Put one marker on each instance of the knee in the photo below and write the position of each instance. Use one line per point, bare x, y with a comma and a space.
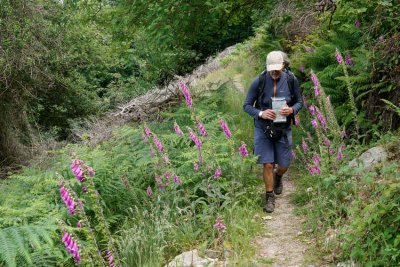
268, 166
281, 170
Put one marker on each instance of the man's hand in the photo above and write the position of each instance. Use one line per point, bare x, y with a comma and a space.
286, 111
268, 114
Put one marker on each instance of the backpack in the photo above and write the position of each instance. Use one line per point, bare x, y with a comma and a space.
291, 85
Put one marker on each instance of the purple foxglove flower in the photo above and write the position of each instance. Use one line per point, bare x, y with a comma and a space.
326, 142
317, 170
304, 146
76, 169
195, 167
310, 170
322, 120
339, 57
178, 130
301, 68
201, 128
91, 171
186, 94
177, 180
314, 123
225, 127
339, 155
293, 155
78, 224
381, 38
357, 23
149, 192
243, 150
167, 174
67, 199
147, 131
312, 110
348, 60
316, 160
331, 151
71, 246
304, 101
315, 81
194, 138
219, 224
217, 173
110, 258
84, 189
158, 143
296, 120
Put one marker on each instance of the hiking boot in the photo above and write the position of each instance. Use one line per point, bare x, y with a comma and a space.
270, 203
278, 185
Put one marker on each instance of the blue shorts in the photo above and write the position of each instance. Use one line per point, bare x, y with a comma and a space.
277, 152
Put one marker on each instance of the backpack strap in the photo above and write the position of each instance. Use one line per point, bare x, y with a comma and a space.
261, 85
291, 85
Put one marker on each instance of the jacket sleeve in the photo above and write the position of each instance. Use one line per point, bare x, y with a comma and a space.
252, 95
298, 103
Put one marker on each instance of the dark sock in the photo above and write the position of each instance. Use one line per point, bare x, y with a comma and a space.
269, 192
278, 176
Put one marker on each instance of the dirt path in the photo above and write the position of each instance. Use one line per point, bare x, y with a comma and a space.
281, 245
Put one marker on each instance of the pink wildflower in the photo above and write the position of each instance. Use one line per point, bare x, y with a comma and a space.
339, 57
195, 167
381, 38
322, 120
304, 146
67, 199
312, 110
314, 123
186, 94
78, 224
243, 150
219, 224
217, 173
71, 246
225, 128
316, 160
147, 131
296, 120
194, 138
178, 129
177, 180
315, 81
158, 143
76, 169
201, 128
293, 155
357, 23
317, 170
348, 60
110, 259
326, 142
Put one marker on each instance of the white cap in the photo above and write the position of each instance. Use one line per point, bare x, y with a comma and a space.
274, 61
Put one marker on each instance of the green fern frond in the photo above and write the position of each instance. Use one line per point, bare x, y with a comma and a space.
15, 241
8, 252
392, 106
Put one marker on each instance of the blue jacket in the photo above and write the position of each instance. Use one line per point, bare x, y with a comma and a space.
282, 90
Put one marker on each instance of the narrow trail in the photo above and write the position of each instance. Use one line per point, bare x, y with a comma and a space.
281, 245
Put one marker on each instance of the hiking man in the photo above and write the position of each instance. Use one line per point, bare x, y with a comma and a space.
273, 140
